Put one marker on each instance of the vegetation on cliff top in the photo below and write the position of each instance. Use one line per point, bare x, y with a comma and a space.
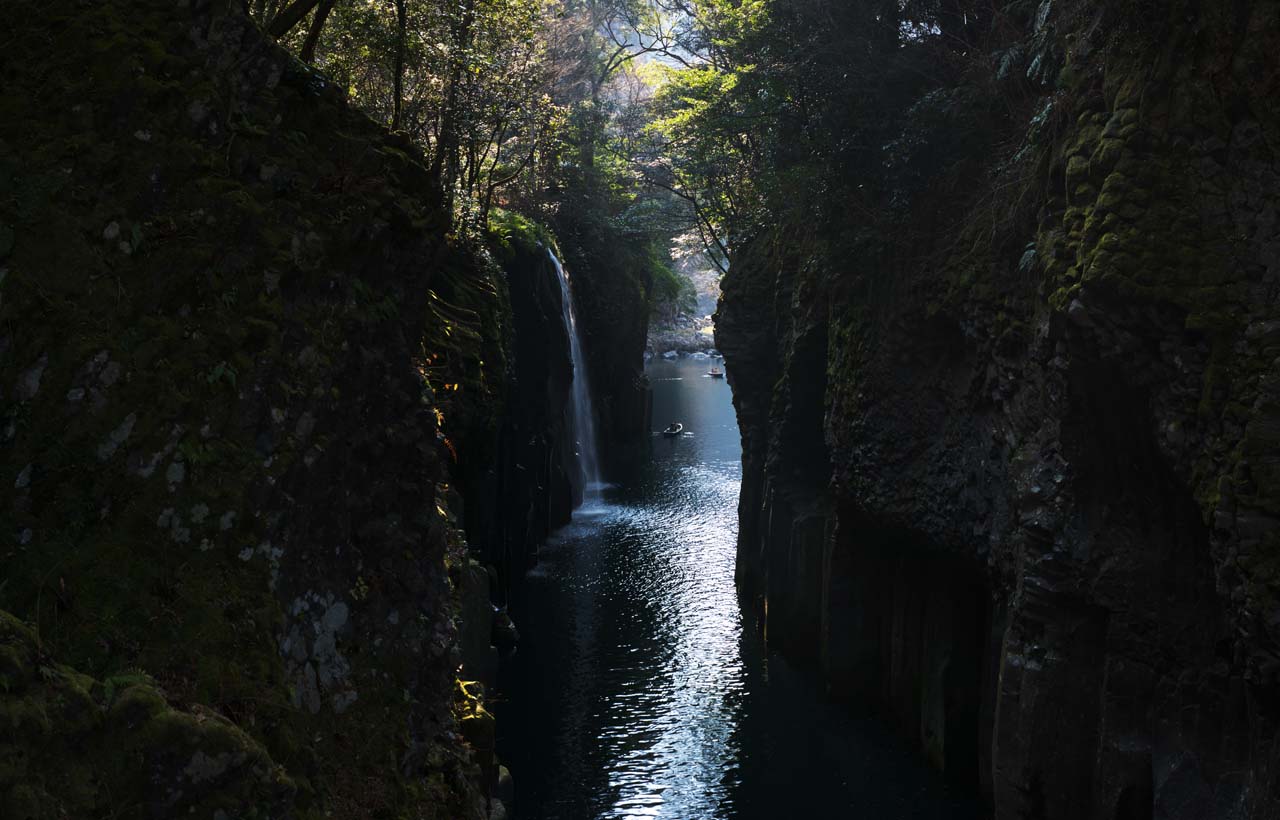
531, 106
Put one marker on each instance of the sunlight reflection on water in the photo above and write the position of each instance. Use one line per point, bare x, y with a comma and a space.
637, 691
640, 604
671, 733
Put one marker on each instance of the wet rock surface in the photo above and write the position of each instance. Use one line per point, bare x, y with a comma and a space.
527, 491
1035, 515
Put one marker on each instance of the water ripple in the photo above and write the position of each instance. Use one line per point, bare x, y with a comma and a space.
637, 691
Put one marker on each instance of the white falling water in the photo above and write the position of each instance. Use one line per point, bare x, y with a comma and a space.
584, 424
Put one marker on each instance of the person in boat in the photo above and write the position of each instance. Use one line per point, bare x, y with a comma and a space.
673, 428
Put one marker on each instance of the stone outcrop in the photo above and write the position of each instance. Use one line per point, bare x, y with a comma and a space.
272, 436
247, 381
1022, 487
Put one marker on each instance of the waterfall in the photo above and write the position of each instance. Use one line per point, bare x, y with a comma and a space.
584, 425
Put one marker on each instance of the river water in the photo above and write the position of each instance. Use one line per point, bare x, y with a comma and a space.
639, 689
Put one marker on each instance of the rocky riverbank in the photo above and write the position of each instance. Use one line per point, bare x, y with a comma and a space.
683, 334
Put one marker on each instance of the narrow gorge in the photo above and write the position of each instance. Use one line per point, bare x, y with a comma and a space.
332, 396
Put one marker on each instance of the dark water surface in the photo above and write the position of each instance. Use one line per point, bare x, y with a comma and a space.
640, 691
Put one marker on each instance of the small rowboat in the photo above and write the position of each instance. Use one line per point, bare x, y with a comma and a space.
715, 373
674, 430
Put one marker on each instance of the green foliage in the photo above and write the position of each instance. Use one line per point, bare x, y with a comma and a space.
803, 112
509, 229
527, 107
670, 290
469, 82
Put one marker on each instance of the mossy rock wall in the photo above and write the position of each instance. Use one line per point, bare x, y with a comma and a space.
1042, 524
234, 339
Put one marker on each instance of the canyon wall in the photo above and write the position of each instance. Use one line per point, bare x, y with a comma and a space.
611, 283
231, 550
1012, 461
270, 432
527, 489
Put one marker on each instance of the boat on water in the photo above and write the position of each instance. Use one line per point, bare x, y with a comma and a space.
715, 373
674, 430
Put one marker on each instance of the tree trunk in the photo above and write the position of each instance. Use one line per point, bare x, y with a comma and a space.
445, 166
289, 17
397, 78
313, 33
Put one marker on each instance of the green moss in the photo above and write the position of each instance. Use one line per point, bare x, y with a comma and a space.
1124, 88
72, 746
131, 578
476, 722
509, 230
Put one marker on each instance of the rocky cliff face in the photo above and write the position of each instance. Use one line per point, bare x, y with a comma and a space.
243, 375
610, 287
1022, 487
527, 491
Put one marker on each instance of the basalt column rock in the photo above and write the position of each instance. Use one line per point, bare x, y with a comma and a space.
1047, 488
527, 493
745, 334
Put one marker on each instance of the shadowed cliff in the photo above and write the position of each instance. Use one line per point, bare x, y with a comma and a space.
240, 360
1010, 452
